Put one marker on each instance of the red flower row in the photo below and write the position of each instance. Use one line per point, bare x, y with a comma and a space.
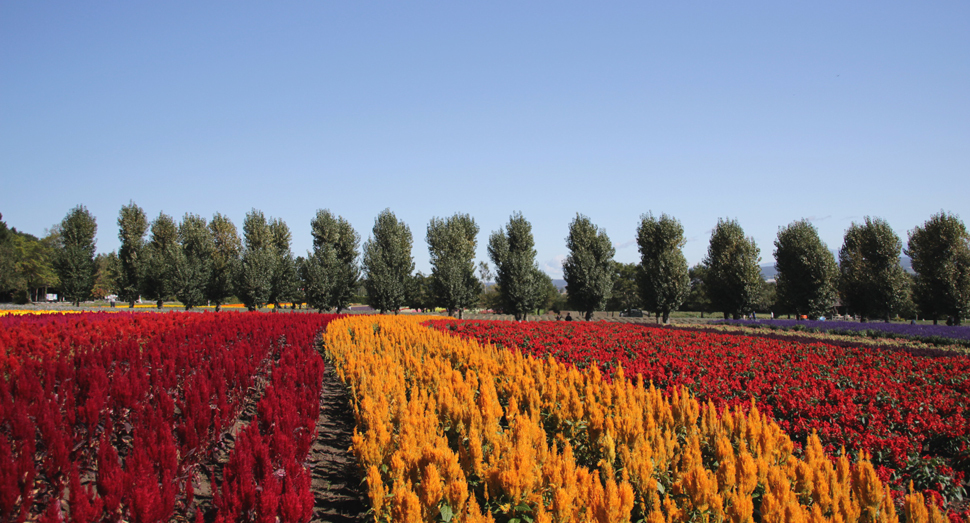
120, 408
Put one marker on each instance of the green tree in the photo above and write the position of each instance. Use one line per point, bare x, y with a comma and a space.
588, 269
255, 278
160, 256
517, 275
451, 243
285, 284
940, 251
330, 273
871, 281
226, 247
733, 280
807, 280
75, 259
663, 277
550, 299
132, 226
697, 299
193, 261
7, 282
30, 264
107, 279
388, 263
421, 293
625, 295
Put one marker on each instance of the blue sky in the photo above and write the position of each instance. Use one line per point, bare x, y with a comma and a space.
765, 112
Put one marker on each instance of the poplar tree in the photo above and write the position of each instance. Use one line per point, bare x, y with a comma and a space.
517, 275
451, 244
871, 281
663, 277
733, 279
330, 273
388, 263
807, 280
132, 226
158, 280
254, 281
940, 251
285, 283
107, 276
75, 259
193, 261
588, 269
226, 247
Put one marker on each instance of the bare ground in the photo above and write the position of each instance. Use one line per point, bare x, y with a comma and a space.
340, 495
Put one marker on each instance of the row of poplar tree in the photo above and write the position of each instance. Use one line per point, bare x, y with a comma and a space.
198, 261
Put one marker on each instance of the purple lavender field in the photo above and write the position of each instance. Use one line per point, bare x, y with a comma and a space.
865, 329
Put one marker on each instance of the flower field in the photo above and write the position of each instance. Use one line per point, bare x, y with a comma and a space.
115, 416
960, 333
909, 413
452, 429
106, 417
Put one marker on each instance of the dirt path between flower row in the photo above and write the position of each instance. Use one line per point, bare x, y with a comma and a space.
336, 485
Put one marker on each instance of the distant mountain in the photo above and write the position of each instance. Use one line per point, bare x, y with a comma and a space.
560, 284
768, 271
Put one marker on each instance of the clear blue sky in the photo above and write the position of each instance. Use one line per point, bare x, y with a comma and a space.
765, 112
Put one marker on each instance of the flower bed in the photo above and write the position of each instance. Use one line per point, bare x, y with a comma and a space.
107, 416
938, 334
910, 413
449, 429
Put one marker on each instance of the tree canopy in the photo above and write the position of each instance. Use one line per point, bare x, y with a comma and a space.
192, 268
588, 268
663, 277
872, 284
158, 282
518, 277
132, 226
330, 273
75, 259
733, 278
254, 281
807, 280
388, 263
226, 247
940, 250
451, 244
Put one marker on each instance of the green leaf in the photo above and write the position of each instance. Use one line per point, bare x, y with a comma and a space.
446, 512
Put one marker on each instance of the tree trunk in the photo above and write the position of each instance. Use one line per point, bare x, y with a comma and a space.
218, 306
666, 317
131, 304
726, 316
459, 313
935, 321
158, 304
589, 315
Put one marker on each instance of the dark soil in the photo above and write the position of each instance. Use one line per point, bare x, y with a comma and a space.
337, 483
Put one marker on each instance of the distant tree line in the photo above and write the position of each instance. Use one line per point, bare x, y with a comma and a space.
198, 261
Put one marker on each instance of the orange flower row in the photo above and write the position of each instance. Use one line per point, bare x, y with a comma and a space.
451, 430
